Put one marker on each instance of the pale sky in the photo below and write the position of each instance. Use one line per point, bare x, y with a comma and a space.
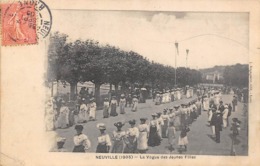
153, 34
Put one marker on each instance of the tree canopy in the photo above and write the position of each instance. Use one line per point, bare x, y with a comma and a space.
82, 61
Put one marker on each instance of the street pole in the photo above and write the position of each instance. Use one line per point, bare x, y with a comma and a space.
187, 52
176, 52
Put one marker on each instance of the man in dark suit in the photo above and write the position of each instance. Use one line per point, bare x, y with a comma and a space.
221, 106
218, 125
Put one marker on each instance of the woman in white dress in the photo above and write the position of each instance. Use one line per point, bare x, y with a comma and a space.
225, 116
83, 112
206, 103
142, 140
122, 103
134, 103
92, 109
165, 118
132, 135
63, 119
49, 115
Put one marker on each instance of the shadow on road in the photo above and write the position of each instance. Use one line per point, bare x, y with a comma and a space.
211, 137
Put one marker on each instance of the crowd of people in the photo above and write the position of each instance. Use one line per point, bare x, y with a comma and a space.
147, 133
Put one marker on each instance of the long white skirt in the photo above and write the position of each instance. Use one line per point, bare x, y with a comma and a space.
183, 141
142, 141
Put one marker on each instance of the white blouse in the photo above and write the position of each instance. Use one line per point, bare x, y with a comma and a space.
104, 139
117, 136
133, 132
82, 139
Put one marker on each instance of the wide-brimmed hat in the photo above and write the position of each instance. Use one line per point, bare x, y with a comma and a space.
60, 139
165, 110
101, 126
154, 115
119, 124
122, 95
225, 106
132, 122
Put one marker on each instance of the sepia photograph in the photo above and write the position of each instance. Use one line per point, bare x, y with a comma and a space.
148, 82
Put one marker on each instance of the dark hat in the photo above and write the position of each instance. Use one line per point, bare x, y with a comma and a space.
143, 119
221, 101
119, 124
176, 106
165, 110
78, 127
132, 121
182, 105
236, 120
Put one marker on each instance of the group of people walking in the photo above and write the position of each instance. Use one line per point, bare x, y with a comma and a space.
148, 133
166, 96
63, 116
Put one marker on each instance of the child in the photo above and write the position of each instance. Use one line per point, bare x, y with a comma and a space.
60, 143
81, 141
171, 135
183, 139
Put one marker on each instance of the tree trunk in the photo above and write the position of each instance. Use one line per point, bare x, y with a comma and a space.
116, 88
97, 94
51, 88
73, 90
110, 87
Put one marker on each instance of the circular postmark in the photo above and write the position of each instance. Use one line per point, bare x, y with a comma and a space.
44, 22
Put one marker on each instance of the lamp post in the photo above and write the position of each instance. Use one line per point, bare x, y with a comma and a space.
187, 52
176, 53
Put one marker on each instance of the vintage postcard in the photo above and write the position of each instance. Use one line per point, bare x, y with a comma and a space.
129, 82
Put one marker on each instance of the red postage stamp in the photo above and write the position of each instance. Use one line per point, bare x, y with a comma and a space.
18, 23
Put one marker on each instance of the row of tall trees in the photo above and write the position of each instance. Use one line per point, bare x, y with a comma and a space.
82, 61
236, 75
